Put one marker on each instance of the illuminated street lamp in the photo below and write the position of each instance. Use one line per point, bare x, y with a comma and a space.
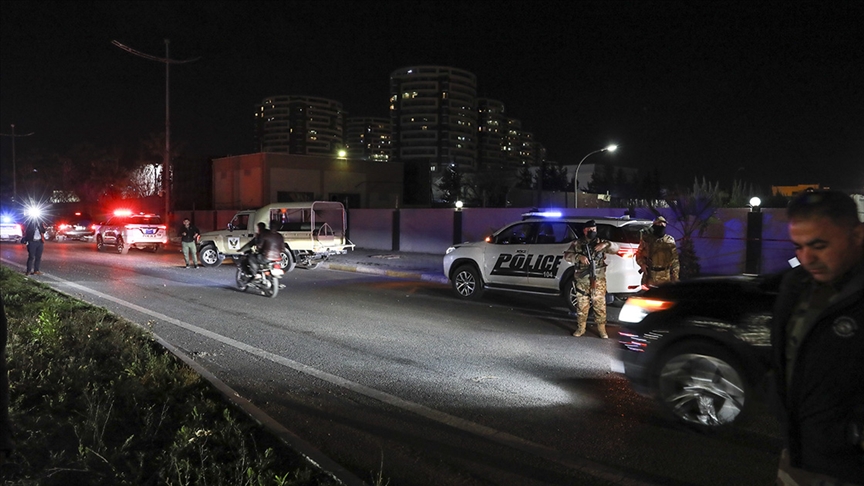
608, 148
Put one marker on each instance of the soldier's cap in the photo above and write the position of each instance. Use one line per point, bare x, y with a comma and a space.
659, 219
590, 223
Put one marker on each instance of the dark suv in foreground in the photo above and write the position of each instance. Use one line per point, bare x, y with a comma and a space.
701, 347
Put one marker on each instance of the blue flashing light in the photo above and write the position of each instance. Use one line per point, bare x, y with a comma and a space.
6, 218
542, 214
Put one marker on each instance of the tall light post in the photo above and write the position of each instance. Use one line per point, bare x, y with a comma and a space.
166, 165
14, 169
608, 148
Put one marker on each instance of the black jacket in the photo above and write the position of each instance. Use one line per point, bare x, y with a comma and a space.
822, 409
189, 234
269, 243
30, 232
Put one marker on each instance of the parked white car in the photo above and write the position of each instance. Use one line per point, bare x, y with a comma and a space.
528, 256
9, 229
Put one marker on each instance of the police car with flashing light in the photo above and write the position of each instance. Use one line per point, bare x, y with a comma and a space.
527, 256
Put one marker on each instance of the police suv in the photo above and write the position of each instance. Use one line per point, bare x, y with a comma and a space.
528, 256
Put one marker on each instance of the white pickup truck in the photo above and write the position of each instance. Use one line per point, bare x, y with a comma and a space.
312, 230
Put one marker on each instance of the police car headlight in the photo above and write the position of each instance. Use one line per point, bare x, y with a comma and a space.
636, 308
449, 250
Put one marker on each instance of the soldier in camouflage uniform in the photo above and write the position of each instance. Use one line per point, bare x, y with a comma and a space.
591, 290
657, 256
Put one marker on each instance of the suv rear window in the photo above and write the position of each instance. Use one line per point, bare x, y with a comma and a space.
623, 234
144, 220
629, 233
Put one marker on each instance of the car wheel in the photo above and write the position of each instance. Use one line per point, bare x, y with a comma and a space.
100, 245
467, 282
209, 256
288, 262
571, 294
154, 248
702, 386
122, 247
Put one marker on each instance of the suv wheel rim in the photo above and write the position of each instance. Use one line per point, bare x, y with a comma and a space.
209, 256
465, 284
702, 389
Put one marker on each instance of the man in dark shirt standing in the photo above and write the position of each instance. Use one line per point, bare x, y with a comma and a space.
189, 235
818, 343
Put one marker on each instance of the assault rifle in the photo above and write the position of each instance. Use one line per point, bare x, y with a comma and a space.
592, 267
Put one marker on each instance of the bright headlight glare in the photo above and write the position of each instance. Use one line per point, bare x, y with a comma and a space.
636, 308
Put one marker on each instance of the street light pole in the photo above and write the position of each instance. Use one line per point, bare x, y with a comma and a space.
166, 165
609, 148
14, 169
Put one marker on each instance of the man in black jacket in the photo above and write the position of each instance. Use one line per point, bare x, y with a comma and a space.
34, 238
269, 245
818, 342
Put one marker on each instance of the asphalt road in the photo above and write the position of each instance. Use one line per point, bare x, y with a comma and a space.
397, 378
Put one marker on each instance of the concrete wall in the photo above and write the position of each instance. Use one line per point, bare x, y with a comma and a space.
721, 249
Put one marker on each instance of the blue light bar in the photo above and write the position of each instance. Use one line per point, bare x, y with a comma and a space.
542, 214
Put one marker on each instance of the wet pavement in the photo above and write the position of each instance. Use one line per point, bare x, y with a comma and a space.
417, 266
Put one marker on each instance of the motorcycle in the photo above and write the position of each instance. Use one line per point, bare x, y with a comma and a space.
265, 280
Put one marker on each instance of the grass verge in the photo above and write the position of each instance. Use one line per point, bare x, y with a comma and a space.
94, 400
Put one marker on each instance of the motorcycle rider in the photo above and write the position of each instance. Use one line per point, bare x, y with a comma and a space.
269, 244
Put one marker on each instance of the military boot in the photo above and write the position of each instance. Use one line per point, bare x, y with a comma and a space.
601, 331
580, 330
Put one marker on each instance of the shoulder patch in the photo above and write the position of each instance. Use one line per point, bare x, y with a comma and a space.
845, 327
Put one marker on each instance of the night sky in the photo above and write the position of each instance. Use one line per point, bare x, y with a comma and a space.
771, 92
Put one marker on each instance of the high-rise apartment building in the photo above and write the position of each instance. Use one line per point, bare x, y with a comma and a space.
502, 144
434, 114
368, 138
300, 125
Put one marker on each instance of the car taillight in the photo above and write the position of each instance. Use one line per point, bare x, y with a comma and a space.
626, 252
162, 226
636, 308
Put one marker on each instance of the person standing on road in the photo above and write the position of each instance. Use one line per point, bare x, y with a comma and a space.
34, 238
588, 254
189, 236
657, 256
818, 344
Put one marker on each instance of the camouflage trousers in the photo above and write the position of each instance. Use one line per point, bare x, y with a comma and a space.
584, 299
653, 278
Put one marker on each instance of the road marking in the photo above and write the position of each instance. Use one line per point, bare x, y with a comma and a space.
584, 465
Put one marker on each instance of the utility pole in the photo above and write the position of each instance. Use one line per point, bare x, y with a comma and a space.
166, 165
14, 169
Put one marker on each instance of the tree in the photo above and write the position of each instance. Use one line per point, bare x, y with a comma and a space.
524, 178
488, 188
693, 213
450, 184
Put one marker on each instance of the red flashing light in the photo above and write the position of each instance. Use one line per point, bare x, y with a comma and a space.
626, 252
122, 212
77, 213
